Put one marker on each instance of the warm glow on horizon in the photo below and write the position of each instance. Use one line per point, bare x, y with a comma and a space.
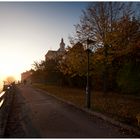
29, 29
12, 63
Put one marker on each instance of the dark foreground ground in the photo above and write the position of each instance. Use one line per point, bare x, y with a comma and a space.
35, 114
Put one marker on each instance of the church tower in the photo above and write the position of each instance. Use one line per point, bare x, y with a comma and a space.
62, 45
53, 54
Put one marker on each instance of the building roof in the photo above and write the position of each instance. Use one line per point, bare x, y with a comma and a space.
50, 52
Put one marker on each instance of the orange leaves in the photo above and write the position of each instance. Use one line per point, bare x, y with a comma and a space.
75, 61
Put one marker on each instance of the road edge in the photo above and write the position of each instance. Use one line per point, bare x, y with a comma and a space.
97, 114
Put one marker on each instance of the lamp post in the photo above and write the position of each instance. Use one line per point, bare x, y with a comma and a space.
88, 94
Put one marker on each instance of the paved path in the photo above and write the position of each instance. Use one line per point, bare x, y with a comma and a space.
37, 114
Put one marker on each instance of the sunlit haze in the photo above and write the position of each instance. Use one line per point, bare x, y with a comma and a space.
29, 29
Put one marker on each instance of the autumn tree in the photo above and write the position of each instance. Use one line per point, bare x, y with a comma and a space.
127, 54
74, 61
74, 64
98, 23
47, 71
37, 71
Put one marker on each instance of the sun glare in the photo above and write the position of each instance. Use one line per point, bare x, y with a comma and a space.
12, 64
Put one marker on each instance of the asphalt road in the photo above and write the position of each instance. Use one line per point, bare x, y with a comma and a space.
37, 115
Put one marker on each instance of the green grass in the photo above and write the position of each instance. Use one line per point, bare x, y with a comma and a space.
114, 105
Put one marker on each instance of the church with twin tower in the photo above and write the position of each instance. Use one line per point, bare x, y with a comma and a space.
53, 54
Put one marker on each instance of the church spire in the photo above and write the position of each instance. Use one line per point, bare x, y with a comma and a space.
62, 45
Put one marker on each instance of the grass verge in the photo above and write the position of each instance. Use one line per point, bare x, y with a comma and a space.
119, 107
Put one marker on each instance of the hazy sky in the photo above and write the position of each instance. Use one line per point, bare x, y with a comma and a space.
29, 29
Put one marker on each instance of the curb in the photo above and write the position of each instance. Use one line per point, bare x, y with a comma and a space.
97, 114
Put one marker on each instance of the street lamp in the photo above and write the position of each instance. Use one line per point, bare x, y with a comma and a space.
88, 49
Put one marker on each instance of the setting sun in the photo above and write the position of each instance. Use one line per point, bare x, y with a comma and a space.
11, 64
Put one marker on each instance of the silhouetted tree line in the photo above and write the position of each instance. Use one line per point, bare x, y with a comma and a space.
115, 58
